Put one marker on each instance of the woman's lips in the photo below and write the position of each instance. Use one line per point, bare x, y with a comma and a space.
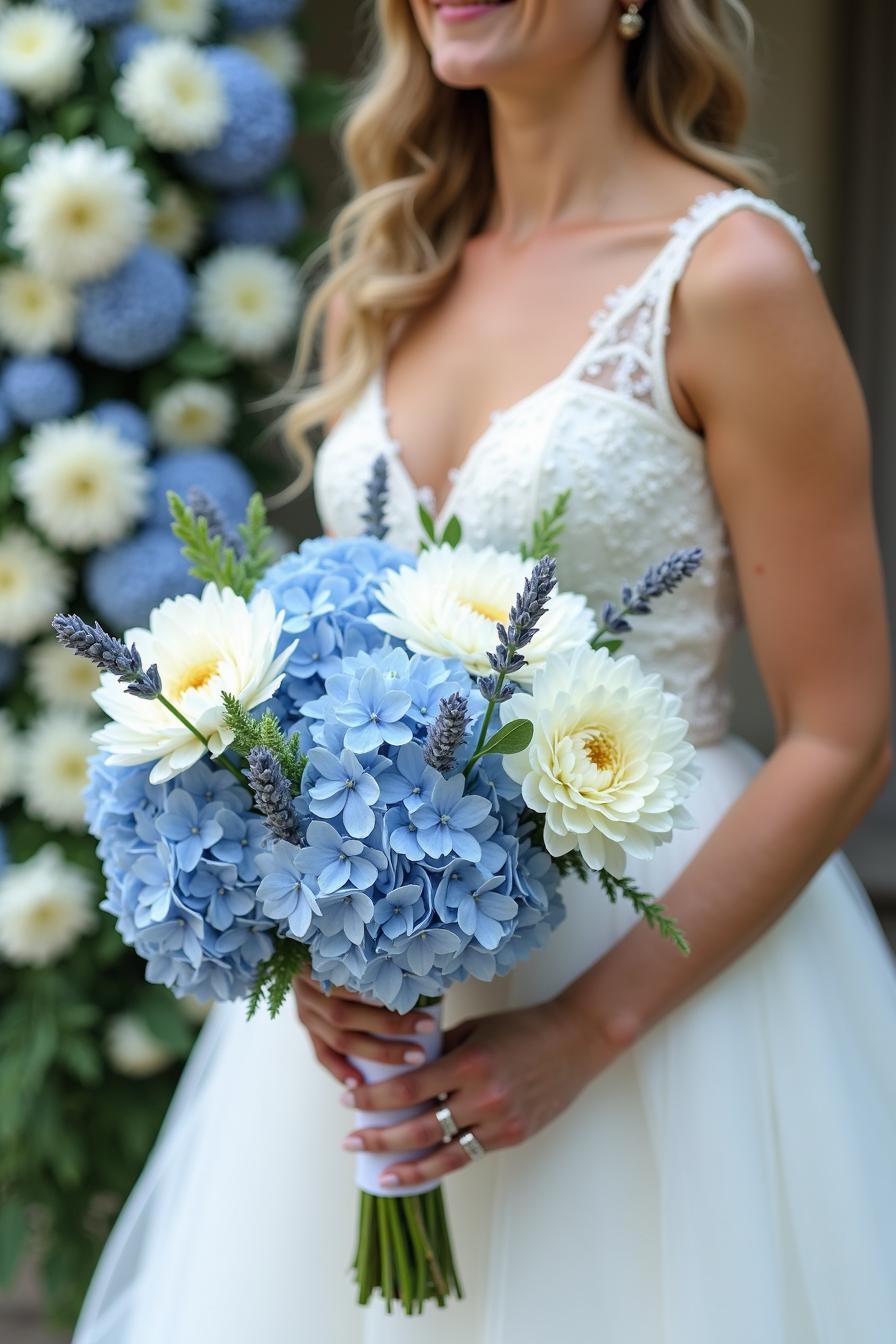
452, 12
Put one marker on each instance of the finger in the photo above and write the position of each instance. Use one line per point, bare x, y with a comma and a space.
446, 1158
347, 1042
423, 1131
304, 982
334, 1063
470, 1065
351, 1014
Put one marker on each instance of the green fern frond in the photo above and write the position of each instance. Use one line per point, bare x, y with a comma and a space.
651, 911
274, 977
249, 732
211, 560
547, 530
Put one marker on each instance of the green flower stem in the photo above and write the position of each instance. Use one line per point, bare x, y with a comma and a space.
228, 764
404, 1251
487, 717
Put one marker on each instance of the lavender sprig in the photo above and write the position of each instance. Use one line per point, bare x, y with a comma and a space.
446, 733
659, 579
202, 505
109, 655
377, 496
273, 796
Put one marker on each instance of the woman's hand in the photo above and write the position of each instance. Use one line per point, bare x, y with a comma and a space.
506, 1077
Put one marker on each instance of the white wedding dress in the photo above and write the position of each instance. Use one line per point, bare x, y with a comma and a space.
731, 1179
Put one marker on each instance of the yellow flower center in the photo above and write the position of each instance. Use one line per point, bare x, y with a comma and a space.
44, 916
486, 609
27, 43
601, 749
82, 486
73, 768
194, 678
183, 87
192, 417
80, 214
10, 579
249, 300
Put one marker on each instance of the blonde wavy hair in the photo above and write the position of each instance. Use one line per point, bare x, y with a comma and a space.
419, 157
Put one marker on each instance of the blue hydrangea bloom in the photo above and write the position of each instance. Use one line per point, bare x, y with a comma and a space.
128, 39
136, 314
178, 896
40, 387
259, 219
247, 14
257, 134
10, 109
219, 474
97, 12
125, 582
131, 423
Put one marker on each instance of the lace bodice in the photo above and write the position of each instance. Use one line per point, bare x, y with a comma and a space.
607, 430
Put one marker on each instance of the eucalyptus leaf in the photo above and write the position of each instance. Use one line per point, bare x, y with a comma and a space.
513, 737
453, 532
427, 522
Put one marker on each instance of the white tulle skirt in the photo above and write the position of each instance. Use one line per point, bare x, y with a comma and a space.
731, 1180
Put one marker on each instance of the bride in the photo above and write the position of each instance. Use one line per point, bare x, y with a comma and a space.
676, 1150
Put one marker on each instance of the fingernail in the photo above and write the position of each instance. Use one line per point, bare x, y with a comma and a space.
348, 1098
389, 1179
353, 1144
414, 1057
351, 1082
425, 1027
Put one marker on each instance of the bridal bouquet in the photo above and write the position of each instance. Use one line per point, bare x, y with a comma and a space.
375, 768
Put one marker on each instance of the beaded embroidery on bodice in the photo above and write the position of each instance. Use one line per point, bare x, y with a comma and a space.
607, 430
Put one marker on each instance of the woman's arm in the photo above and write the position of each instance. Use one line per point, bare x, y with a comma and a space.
758, 358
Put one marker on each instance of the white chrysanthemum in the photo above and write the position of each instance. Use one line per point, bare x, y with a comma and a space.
83, 484
9, 757
55, 752
278, 50
193, 412
33, 585
76, 209
177, 18
45, 906
449, 604
37, 314
133, 1050
59, 679
608, 766
202, 647
42, 52
175, 224
173, 93
247, 300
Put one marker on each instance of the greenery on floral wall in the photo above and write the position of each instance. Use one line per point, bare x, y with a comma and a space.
151, 223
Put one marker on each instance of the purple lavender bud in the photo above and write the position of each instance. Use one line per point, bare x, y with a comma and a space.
273, 796
377, 496
488, 687
108, 654
201, 505
148, 686
659, 579
446, 733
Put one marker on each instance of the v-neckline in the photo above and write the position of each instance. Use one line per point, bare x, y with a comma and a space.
613, 304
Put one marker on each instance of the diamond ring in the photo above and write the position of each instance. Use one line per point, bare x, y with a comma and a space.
447, 1123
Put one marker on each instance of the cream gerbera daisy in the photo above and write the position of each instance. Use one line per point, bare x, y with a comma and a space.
174, 224
83, 484
34, 584
76, 209
178, 18
42, 52
37, 314
55, 752
46, 905
278, 50
173, 94
247, 300
608, 766
133, 1050
193, 412
449, 604
59, 680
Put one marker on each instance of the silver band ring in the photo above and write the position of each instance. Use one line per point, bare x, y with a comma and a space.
471, 1146
447, 1123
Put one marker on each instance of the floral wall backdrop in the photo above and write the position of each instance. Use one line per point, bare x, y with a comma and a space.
152, 218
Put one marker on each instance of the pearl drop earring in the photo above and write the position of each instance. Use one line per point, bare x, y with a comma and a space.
631, 23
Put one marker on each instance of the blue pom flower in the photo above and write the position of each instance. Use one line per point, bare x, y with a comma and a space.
136, 314
220, 475
245, 15
256, 137
40, 387
10, 109
97, 12
125, 582
259, 219
127, 418
128, 39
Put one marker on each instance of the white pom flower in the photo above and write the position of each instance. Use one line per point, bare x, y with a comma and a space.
132, 1049
177, 18
174, 224
247, 300
10, 752
76, 209
608, 765
278, 50
59, 679
449, 605
46, 905
55, 752
42, 52
83, 484
37, 314
202, 647
193, 412
172, 92
33, 585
